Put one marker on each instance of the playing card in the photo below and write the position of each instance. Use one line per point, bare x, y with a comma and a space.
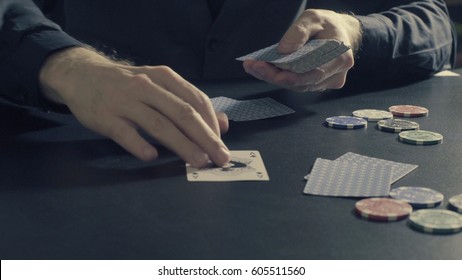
399, 169
348, 179
314, 54
244, 166
247, 110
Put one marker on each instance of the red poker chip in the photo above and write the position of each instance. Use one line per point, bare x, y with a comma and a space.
408, 111
383, 209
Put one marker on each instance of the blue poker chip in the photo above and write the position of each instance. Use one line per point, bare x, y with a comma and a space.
418, 197
346, 122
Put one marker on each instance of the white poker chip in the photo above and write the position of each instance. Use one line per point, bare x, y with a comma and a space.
373, 115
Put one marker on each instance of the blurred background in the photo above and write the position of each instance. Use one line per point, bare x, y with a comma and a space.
455, 11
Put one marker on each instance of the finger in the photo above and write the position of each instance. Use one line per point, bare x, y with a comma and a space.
179, 123
295, 81
163, 130
300, 32
276, 76
128, 138
174, 83
334, 82
343, 62
321, 75
223, 122
262, 70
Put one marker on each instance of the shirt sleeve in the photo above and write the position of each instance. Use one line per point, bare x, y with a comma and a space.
27, 38
413, 39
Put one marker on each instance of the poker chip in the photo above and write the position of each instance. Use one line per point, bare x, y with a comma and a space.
346, 122
418, 197
383, 209
372, 115
420, 137
408, 111
397, 125
436, 221
455, 203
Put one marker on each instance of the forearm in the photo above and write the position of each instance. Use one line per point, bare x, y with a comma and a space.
27, 38
415, 39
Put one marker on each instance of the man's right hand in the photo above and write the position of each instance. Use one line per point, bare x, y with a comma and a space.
115, 100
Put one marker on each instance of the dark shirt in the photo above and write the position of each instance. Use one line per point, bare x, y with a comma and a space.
27, 38
200, 39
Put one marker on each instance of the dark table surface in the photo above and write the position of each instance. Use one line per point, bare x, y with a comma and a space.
67, 193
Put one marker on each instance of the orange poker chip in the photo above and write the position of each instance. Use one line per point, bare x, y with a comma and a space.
408, 111
383, 209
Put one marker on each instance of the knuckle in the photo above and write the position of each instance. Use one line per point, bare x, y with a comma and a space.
187, 113
202, 101
314, 15
298, 29
139, 80
157, 124
310, 13
165, 71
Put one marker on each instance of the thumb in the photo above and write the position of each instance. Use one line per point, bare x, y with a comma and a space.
294, 38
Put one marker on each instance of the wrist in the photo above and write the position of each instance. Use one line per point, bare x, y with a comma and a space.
354, 27
60, 71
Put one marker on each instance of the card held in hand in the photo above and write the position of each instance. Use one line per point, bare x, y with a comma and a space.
249, 110
314, 54
244, 166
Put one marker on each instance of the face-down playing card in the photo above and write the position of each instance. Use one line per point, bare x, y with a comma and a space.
244, 166
399, 169
314, 54
348, 179
248, 110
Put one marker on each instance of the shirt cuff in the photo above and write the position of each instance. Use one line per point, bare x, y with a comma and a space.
29, 58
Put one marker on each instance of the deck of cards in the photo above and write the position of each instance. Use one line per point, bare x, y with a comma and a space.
314, 54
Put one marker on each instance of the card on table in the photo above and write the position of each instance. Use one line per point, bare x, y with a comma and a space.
314, 54
244, 166
348, 179
399, 169
248, 110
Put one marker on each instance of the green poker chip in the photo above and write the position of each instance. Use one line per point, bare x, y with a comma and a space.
397, 125
420, 137
436, 221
